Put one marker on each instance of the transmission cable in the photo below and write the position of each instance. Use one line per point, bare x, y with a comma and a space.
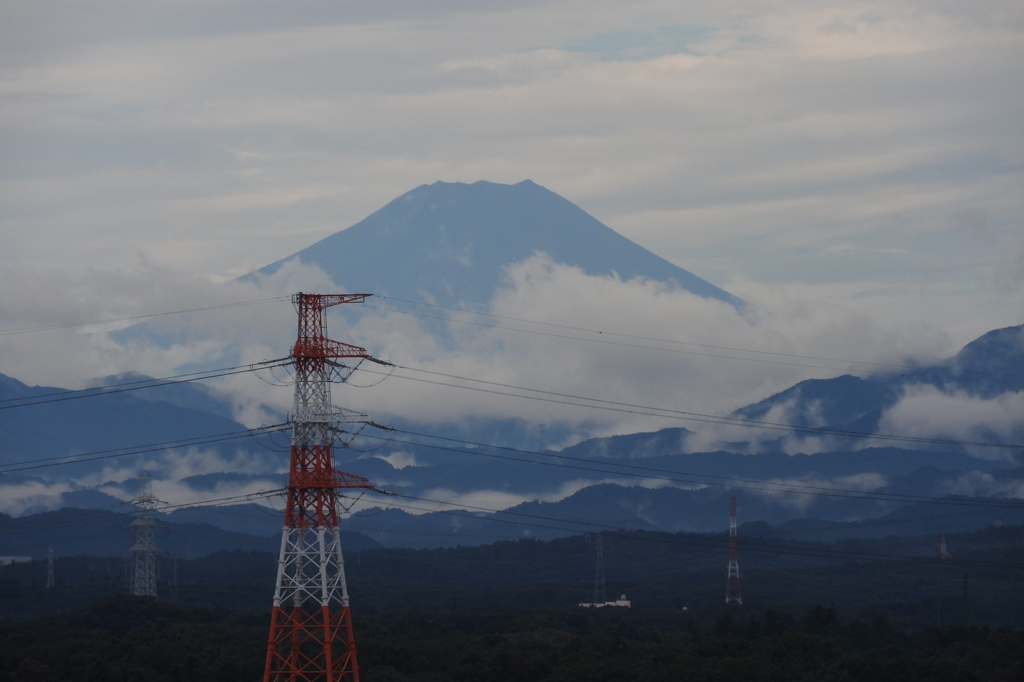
750, 544
139, 449
728, 481
899, 368
139, 384
632, 408
26, 330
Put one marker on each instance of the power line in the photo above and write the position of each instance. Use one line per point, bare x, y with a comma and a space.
65, 325
898, 367
138, 450
218, 501
139, 384
728, 482
759, 544
632, 408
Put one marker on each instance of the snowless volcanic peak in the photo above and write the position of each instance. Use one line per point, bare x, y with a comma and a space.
450, 242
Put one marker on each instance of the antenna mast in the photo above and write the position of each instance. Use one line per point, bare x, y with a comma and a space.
310, 626
733, 591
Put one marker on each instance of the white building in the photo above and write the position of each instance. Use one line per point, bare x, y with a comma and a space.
621, 601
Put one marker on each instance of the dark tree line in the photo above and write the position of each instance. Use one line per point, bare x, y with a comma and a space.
127, 639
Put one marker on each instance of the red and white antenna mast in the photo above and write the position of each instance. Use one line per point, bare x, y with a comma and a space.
733, 591
943, 554
310, 626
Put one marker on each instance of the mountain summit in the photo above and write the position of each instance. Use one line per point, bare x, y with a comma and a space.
451, 242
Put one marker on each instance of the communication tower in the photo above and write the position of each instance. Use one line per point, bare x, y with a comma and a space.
49, 568
144, 552
310, 626
733, 591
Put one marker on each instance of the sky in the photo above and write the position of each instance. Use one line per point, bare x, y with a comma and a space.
855, 169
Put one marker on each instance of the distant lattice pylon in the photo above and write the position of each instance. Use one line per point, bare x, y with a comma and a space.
943, 554
144, 552
733, 588
600, 592
310, 627
50, 582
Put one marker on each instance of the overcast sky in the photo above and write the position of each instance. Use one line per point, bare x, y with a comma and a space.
854, 169
855, 156
864, 153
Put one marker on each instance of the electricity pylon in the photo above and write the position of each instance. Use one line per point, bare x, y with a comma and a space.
50, 582
733, 591
310, 626
600, 592
943, 553
144, 551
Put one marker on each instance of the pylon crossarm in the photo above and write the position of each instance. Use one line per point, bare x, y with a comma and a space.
323, 348
326, 414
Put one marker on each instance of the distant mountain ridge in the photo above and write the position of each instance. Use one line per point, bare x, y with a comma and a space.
449, 243
991, 365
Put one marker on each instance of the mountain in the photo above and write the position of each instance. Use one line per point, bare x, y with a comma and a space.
989, 366
449, 243
190, 395
40, 422
609, 506
103, 533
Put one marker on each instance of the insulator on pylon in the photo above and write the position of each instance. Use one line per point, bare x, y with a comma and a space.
310, 626
144, 552
733, 587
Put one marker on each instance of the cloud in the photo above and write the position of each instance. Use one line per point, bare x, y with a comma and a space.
743, 139
635, 343
781, 490
930, 412
628, 343
400, 459
32, 496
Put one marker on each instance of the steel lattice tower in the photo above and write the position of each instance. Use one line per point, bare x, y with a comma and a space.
600, 592
50, 582
144, 552
943, 553
310, 626
733, 591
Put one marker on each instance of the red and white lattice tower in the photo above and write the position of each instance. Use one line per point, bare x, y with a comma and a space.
943, 554
310, 626
733, 591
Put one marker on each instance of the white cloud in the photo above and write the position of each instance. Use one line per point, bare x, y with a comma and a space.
932, 413
689, 358
815, 158
785, 491
742, 139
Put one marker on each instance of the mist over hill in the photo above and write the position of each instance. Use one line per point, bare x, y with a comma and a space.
986, 369
455, 245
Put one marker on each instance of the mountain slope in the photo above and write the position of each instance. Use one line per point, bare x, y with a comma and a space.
450, 242
991, 365
56, 426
